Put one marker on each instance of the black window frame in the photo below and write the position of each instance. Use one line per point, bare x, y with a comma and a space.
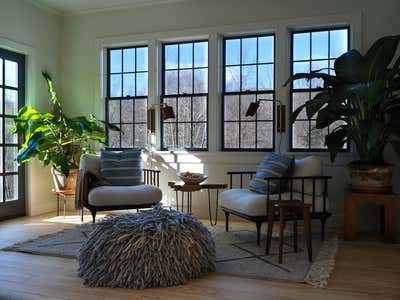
120, 99
184, 95
256, 93
311, 90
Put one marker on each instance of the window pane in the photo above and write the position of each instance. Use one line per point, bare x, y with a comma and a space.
264, 134
331, 67
318, 136
141, 84
127, 136
169, 135
184, 135
318, 65
171, 57
200, 80
113, 111
185, 81
338, 42
232, 78
10, 156
115, 85
184, 109
231, 135
301, 67
245, 101
1, 105
11, 102
11, 73
201, 54
298, 100
319, 45
266, 109
11, 187
141, 110
232, 52
186, 55
113, 138
248, 135
140, 135
265, 77
199, 109
116, 61
266, 49
249, 51
300, 131
1, 76
249, 78
129, 60
129, 85
171, 82
231, 108
10, 138
141, 59
301, 46
200, 135
127, 111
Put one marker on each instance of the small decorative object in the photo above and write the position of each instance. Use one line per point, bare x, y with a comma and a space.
167, 113
361, 104
56, 139
192, 178
156, 248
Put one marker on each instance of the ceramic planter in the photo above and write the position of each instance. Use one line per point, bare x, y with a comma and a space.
61, 182
370, 178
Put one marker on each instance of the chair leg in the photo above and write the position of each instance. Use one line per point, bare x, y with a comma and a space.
226, 221
307, 231
93, 215
295, 231
281, 232
323, 221
82, 213
258, 225
270, 227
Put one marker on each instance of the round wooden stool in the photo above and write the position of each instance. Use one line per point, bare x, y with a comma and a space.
290, 209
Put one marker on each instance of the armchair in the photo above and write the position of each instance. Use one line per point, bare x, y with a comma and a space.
307, 184
96, 195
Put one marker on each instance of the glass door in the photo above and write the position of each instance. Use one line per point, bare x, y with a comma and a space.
12, 95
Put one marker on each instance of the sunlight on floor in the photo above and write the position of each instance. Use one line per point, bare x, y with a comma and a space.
74, 219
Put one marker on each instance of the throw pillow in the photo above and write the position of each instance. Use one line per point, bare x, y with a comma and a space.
273, 165
308, 166
122, 167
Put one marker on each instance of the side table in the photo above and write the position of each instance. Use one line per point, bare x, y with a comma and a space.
189, 189
388, 201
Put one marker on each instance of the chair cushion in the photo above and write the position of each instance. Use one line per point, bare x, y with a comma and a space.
254, 204
308, 166
90, 162
273, 165
122, 168
124, 195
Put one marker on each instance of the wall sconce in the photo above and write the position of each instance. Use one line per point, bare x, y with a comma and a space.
167, 113
280, 108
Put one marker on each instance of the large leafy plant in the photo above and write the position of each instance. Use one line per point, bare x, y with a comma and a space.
54, 138
361, 102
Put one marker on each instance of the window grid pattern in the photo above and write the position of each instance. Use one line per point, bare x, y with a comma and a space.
185, 89
313, 50
241, 133
127, 93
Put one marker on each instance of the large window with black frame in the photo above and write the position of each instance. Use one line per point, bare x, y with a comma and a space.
185, 89
126, 103
248, 76
311, 51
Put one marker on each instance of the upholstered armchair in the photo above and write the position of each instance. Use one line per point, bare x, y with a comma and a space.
306, 183
94, 193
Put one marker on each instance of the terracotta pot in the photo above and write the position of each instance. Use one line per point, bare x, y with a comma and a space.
371, 178
61, 182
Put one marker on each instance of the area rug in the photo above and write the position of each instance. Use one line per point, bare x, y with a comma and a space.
236, 251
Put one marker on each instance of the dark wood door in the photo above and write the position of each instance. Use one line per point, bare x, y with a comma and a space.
12, 95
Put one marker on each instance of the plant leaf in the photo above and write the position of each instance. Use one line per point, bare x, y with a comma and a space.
336, 140
348, 66
315, 104
295, 114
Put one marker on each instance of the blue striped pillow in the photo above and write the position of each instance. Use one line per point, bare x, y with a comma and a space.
122, 167
273, 165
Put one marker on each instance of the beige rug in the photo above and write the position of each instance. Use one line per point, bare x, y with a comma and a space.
236, 253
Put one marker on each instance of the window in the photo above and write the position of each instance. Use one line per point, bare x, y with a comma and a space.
249, 75
126, 104
185, 89
313, 50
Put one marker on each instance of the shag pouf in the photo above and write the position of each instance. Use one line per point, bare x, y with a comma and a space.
155, 248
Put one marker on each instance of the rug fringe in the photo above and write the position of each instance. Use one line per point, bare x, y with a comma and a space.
323, 265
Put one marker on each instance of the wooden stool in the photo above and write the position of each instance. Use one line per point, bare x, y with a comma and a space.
291, 208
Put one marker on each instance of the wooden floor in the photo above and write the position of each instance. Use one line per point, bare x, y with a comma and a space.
365, 269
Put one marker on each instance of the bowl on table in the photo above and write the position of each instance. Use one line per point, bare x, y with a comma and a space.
192, 178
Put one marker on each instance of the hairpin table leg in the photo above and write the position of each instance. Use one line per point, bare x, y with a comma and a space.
212, 223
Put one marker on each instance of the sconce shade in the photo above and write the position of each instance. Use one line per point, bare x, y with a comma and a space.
168, 112
251, 111
151, 120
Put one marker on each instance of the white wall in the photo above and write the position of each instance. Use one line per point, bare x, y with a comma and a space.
26, 29
81, 74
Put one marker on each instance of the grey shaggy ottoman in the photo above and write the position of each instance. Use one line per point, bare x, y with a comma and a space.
156, 248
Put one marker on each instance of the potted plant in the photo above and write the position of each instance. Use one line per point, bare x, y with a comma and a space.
362, 104
56, 139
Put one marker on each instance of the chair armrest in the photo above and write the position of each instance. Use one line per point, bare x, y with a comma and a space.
151, 176
240, 173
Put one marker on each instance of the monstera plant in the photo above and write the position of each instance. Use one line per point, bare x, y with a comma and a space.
363, 98
56, 139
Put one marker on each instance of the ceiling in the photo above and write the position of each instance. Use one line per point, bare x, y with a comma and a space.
72, 7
